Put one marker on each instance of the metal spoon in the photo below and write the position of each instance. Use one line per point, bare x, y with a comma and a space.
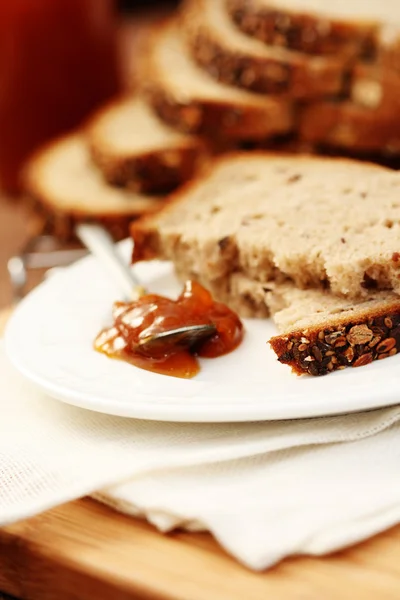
99, 242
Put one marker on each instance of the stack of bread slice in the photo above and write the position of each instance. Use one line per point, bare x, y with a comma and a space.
313, 242
111, 171
220, 75
246, 62
338, 62
149, 142
184, 95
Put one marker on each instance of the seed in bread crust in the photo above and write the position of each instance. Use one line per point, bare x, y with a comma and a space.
325, 353
363, 360
349, 354
374, 341
386, 345
330, 338
340, 342
313, 369
359, 334
317, 353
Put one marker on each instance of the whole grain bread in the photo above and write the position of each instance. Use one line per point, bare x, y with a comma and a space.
325, 222
367, 122
350, 28
321, 333
64, 188
236, 59
134, 148
191, 100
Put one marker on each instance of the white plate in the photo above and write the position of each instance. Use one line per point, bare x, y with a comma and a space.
49, 339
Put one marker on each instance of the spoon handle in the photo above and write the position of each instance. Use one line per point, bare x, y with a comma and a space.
96, 239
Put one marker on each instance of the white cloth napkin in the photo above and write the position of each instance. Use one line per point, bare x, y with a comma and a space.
264, 490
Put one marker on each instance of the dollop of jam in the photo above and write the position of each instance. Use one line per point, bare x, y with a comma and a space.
134, 322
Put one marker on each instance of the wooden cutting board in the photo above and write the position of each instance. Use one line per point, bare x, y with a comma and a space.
85, 551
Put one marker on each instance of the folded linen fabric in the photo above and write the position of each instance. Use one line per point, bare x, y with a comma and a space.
264, 490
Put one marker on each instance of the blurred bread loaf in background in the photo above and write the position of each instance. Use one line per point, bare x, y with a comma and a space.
219, 75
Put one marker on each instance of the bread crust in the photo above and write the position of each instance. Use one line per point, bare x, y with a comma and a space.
47, 219
155, 171
339, 344
255, 119
151, 172
367, 122
349, 127
310, 33
300, 76
55, 220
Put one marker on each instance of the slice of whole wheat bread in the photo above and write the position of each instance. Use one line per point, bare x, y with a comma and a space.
320, 221
367, 122
236, 59
64, 188
134, 148
351, 28
321, 333
188, 98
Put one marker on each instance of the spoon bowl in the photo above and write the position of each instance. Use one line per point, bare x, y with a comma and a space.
182, 337
98, 241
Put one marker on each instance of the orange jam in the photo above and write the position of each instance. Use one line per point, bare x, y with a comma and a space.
151, 314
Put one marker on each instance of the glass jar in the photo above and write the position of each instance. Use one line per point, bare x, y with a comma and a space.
58, 61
